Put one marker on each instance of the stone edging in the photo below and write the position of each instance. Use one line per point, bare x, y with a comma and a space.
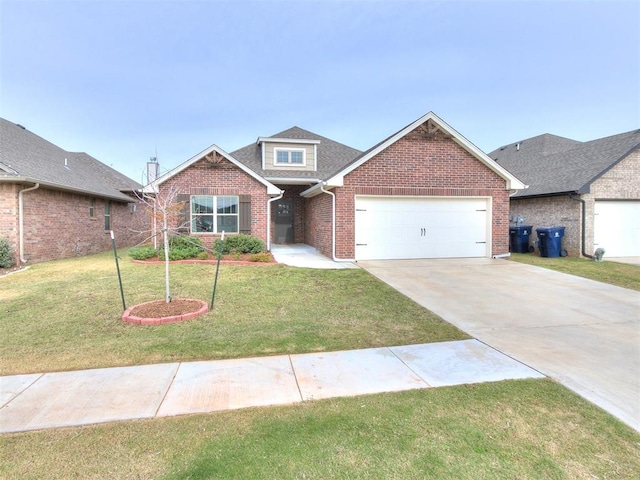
127, 317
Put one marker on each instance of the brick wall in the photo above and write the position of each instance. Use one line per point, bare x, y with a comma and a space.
417, 166
57, 224
318, 218
9, 214
552, 212
224, 178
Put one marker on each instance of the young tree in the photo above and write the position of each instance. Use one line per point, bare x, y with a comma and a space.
164, 210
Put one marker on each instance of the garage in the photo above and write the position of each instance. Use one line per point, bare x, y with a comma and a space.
396, 227
616, 227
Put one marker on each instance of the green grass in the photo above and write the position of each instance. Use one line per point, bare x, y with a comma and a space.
619, 274
65, 315
525, 429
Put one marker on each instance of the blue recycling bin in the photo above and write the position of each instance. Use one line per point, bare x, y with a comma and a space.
550, 241
519, 238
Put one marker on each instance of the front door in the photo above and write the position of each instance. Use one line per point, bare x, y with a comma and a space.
284, 221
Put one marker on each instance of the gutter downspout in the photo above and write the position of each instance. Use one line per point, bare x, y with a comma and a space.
584, 225
269, 202
333, 226
21, 218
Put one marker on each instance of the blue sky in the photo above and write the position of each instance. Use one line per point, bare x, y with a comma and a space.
123, 80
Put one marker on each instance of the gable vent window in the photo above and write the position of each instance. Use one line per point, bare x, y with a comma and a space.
290, 156
214, 214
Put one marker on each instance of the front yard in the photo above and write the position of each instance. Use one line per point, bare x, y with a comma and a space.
66, 315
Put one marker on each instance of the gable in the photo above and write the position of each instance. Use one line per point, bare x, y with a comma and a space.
211, 156
427, 127
425, 159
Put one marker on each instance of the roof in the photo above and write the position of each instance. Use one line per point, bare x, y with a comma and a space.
27, 158
213, 149
336, 179
554, 165
332, 155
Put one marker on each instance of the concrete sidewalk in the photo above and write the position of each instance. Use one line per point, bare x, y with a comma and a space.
66, 399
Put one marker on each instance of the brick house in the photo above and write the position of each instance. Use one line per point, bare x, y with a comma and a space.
58, 204
423, 192
591, 188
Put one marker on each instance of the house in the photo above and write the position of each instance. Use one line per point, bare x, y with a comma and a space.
57, 204
423, 192
591, 188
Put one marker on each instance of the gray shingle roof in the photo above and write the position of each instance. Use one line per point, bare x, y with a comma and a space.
551, 165
332, 156
26, 157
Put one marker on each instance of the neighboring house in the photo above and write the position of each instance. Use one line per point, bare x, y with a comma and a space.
424, 192
57, 204
590, 188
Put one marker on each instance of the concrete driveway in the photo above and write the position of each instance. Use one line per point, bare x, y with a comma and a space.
581, 333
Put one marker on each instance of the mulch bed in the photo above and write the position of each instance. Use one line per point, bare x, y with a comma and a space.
161, 308
212, 260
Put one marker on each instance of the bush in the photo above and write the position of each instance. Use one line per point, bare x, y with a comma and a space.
6, 253
144, 252
182, 248
260, 257
240, 243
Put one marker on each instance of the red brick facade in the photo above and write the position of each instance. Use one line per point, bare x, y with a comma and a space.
224, 178
412, 166
57, 224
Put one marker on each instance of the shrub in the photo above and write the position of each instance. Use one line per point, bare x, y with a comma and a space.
240, 243
203, 256
6, 253
260, 257
143, 252
182, 247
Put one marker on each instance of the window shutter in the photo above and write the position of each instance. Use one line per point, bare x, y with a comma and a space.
245, 214
184, 216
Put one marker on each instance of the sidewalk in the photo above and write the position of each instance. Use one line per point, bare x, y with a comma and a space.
65, 399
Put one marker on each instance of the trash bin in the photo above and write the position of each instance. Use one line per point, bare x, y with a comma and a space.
519, 238
550, 241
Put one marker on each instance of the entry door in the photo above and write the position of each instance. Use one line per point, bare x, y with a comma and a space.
421, 227
284, 221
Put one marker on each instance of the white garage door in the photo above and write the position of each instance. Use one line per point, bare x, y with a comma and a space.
421, 227
616, 228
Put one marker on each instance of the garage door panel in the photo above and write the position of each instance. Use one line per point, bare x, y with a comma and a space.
617, 227
414, 227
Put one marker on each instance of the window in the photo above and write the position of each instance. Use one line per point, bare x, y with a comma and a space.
289, 156
210, 214
107, 215
92, 208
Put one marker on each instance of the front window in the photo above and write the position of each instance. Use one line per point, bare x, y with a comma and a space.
214, 214
289, 156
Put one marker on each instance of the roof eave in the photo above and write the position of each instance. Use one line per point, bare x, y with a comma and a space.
120, 198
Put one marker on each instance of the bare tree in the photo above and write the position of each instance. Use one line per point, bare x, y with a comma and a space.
164, 210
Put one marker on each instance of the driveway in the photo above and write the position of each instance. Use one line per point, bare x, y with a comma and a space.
583, 334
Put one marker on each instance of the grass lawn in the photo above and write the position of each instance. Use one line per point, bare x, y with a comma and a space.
526, 429
619, 274
65, 315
